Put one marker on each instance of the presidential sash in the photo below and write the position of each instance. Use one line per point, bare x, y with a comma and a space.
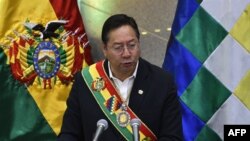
110, 102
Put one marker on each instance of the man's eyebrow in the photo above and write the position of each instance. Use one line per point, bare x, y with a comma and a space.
117, 43
132, 40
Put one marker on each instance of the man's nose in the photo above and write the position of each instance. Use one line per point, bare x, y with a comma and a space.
126, 52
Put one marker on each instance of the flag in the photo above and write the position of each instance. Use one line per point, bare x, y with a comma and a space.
42, 45
208, 54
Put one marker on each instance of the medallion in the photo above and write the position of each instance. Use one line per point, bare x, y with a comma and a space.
123, 118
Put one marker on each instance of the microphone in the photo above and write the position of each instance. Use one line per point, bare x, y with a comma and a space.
135, 124
102, 125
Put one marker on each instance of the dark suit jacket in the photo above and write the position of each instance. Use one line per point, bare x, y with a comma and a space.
158, 107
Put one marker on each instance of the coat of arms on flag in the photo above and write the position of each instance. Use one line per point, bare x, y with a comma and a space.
46, 54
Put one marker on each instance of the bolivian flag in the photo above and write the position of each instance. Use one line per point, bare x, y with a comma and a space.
32, 104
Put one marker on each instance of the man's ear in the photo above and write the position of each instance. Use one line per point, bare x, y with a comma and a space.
104, 49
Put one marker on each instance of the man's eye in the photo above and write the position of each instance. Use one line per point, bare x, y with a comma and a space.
117, 47
131, 46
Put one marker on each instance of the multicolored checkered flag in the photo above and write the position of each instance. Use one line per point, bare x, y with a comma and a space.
208, 53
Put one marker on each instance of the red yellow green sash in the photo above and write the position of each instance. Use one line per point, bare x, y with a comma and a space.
109, 101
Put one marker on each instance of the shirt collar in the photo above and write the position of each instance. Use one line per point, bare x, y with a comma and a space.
133, 75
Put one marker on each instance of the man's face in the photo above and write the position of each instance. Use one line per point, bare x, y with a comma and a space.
122, 50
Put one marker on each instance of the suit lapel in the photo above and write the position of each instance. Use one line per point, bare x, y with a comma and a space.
140, 87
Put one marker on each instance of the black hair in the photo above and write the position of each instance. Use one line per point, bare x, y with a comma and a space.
117, 21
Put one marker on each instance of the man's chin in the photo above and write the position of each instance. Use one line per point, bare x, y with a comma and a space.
128, 69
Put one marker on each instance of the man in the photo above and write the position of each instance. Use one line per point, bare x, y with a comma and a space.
121, 88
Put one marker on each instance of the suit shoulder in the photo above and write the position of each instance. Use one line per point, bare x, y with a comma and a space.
153, 69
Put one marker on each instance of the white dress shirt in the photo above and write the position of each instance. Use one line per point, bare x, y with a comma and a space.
124, 87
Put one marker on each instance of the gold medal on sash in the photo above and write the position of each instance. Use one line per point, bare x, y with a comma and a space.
123, 118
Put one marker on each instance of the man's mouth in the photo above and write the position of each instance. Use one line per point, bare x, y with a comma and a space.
127, 64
